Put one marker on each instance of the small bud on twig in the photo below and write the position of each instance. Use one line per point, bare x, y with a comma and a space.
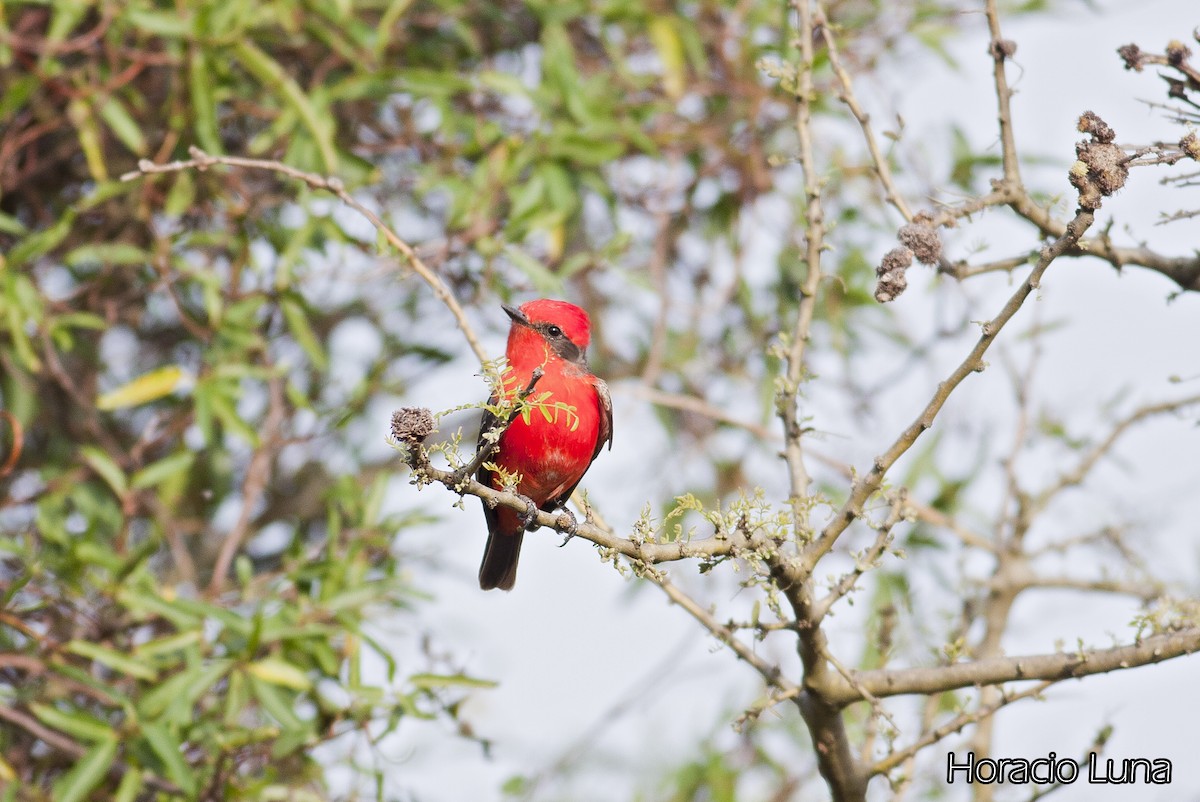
1190, 144
1132, 56
411, 425
1001, 49
922, 239
1102, 167
892, 279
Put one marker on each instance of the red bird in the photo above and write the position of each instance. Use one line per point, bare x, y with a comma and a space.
552, 447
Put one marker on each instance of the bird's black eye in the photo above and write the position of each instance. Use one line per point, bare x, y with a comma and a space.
554, 331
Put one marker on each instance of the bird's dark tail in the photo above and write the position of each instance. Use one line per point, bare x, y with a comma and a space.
499, 568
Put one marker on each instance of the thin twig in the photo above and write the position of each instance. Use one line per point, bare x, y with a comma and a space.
1076, 476
202, 161
689, 403
882, 169
258, 475
863, 562
952, 726
770, 672
873, 479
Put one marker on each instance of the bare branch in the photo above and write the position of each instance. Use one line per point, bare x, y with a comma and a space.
952, 726
1144, 590
1062, 665
871, 481
814, 238
1001, 50
865, 561
1076, 476
835, 759
882, 169
699, 406
770, 672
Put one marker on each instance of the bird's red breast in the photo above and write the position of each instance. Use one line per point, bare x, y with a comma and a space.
552, 445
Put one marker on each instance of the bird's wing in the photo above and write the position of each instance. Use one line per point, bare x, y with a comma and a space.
606, 421
604, 435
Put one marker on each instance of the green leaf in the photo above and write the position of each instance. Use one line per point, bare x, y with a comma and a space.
168, 644
273, 76
279, 672
203, 108
279, 705
148, 387
121, 123
67, 14
170, 751
80, 320
149, 604
130, 787
79, 112
165, 468
170, 24
182, 195
41, 242
663, 33
106, 469
81, 726
223, 409
297, 321
173, 699
112, 659
76, 784
107, 253
11, 225
429, 681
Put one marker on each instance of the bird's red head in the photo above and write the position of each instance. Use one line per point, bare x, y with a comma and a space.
545, 327
546, 312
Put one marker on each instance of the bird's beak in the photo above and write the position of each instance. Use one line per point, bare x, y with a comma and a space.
516, 314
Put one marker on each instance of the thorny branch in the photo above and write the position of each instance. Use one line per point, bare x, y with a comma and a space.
1010, 190
974, 362
1063, 665
846, 85
825, 725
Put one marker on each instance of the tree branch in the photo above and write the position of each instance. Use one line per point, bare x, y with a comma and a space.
640, 551
953, 725
1062, 665
770, 672
882, 169
973, 363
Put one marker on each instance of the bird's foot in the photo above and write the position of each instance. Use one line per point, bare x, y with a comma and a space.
531, 511
567, 525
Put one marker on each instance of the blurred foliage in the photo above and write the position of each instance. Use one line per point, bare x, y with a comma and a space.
194, 359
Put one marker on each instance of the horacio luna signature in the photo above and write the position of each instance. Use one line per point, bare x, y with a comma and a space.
1053, 769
